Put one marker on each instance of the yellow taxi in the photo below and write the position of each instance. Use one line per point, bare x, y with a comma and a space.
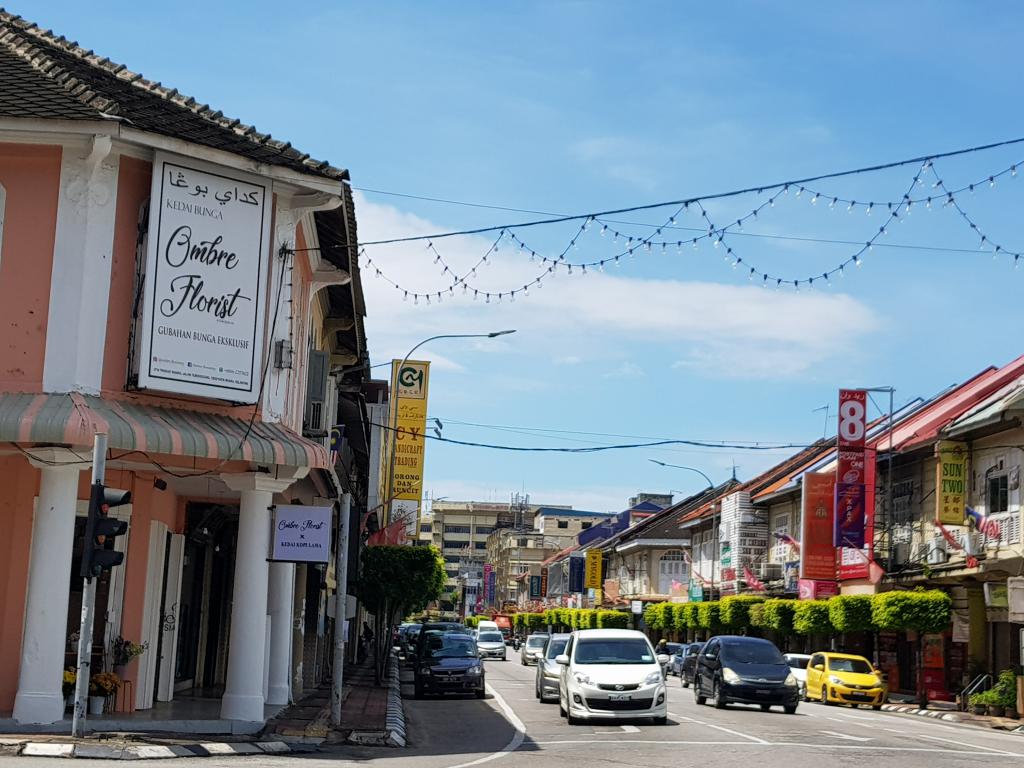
842, 678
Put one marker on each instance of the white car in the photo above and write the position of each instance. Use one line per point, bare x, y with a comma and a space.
611, 674
798, 666
491, 645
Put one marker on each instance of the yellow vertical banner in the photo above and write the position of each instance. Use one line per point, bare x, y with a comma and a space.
950, 482
407, 422
592, 578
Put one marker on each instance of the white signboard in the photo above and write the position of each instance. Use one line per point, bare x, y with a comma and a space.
301, 534
636, 607
205, 282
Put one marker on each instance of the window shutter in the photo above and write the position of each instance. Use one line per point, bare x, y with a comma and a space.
316, 393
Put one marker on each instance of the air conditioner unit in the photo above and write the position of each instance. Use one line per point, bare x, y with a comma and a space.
971, 542
936, 554
901, 553
769, 571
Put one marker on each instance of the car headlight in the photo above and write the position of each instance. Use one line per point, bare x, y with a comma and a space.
473, 671
729, 676
582, 679
791, 681
835, 680
653, 678
424, 670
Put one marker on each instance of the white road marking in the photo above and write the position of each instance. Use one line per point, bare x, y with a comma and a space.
781, 744
963, 744
837, 735
630, 729
517, 737
754, 739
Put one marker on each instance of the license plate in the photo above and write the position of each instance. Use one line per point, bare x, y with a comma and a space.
619, 697
762, 692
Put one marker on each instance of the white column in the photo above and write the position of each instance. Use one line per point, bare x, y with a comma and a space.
40, 677
243, 690
282, 590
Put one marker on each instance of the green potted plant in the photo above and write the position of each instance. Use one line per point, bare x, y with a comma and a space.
1006, 693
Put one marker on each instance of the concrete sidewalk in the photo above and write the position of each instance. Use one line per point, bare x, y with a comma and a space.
947, 710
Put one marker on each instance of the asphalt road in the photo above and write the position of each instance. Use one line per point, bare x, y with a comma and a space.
511, 729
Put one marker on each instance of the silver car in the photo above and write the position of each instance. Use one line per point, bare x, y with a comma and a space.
491, 645
548, 671
533, 648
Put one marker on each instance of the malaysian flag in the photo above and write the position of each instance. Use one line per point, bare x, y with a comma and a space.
984, 524
972, 561
785, 538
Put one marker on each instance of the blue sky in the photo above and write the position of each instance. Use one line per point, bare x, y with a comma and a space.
571, 107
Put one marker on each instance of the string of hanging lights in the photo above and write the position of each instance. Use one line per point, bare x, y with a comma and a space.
661, 240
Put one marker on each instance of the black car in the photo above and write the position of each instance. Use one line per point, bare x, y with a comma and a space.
448, 662
688, 662
745, 670
444, 627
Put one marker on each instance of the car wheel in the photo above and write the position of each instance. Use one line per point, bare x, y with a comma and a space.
697, 695
417, 691
561, 708
572, 719
718, 695
682, 681
481, 693
661, 720
789, 709
876, 707
805, 695
824, 697
765, 707
855, 706
536, 689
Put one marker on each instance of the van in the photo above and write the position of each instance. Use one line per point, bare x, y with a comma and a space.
485, 625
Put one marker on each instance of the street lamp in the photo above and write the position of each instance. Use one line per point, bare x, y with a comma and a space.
394, 418
715, 524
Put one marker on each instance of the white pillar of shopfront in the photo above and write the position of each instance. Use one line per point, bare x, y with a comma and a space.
243, 689
282, 591
40, 698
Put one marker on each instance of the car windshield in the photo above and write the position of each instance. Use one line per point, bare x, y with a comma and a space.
557, 647
693, 650
857, 666
619, 650
490, 637
752, 653
798, 662
451, 647
536, 641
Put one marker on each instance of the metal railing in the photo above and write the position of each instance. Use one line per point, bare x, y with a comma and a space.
981, 683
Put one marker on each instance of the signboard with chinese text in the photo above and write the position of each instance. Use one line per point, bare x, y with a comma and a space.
592, 579
408, 416
205, 282
301, 534
535, 587
544, 581
817, 553
951, 479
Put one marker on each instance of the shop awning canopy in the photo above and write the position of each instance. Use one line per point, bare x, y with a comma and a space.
73, 419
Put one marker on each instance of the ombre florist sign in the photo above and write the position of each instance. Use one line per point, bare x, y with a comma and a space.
301, 534
205, 281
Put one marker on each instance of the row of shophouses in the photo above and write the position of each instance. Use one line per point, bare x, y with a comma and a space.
185, 284
745, 536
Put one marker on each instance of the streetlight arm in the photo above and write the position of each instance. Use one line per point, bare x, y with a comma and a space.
679, 466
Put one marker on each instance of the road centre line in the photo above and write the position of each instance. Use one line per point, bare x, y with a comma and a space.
517, 737
754, 739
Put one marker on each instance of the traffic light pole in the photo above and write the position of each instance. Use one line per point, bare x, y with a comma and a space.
99, 460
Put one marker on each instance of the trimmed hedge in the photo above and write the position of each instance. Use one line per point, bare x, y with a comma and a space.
735, 610
756, 613
613, 620
709, 615
851, 613
686, 616
811, 617
660, 616
778, 615
922, 611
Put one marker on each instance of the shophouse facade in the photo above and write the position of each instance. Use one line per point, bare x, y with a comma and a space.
248, 398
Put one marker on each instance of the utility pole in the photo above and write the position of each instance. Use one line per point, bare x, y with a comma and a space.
340, 610
99, 459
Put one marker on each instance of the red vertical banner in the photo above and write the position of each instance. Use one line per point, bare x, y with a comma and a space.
817, 553
853, 563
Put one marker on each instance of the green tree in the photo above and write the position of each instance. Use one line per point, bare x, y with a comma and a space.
851, 613
735, 610
613, 620
393, 582
778, 615
757, 616
924, 612
709, 616
811, 617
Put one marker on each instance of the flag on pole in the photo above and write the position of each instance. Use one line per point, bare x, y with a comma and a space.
984, 524
972, 561
752, 581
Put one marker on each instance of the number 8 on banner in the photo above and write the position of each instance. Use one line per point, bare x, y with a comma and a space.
852, 417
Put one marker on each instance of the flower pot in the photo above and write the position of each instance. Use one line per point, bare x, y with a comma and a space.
995, 710
1011, 713
96, 705
119, 670
979, 709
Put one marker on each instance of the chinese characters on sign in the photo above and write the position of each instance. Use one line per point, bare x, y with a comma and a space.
817, 553
593, 577
543, 582
204, 296
950, 498
535, 587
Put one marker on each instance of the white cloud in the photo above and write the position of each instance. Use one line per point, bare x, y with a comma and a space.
718, 329
626, 370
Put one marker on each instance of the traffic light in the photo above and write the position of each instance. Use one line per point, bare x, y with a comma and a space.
96, 558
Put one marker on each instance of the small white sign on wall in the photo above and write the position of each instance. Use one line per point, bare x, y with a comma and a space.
301, 534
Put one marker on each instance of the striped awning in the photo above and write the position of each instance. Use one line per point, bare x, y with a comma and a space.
73, 419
